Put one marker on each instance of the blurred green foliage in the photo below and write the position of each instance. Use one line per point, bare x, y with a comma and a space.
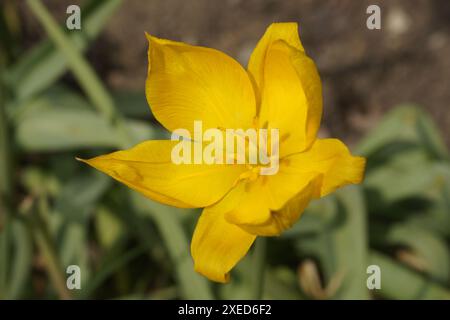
56, 212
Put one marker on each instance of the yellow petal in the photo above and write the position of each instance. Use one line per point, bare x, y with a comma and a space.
285, 217
289, 87
187, 83
312, 89
253, 207
291, 211
246, 203
218, 245
284, 185
250, 203
275, 202
255, 201
230, 201
331, 158
148, 169
287, 31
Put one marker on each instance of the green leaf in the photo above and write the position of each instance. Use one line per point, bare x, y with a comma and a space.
279, 283
398, 181
192, 285
74, 203
341, 247
111, 263
407, 125
58, 97
399, 282
317, 216
78, 197
108, 227
69, 129
436, 218
351, 244
132, 104
42, 66
22, 261
427, 246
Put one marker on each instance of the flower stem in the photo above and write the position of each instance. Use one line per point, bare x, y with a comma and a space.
258, 268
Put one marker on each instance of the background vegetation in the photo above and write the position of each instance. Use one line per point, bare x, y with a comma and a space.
56, 212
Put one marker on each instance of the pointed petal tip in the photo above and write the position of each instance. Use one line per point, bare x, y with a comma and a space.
153, 40
149, 36
87, 161
80, 159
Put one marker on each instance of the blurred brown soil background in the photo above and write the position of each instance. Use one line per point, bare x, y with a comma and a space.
365, 72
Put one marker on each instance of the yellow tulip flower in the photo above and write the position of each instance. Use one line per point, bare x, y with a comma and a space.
280, 89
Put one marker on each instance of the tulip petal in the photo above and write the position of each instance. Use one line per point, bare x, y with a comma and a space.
187, 83
255, 201
288, 86
285, 217
230, 201
326, 166
148, 169
253, 207
251, 203
331, 158
287, 31
218, 245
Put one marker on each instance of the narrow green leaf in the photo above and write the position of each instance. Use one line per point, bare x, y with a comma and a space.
193, 285
341, 246
22, 260
70, 129
406, 124
428, 247
42, 66
399, 282
351, 244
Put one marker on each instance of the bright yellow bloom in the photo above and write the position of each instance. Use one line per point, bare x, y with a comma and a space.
281, 89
